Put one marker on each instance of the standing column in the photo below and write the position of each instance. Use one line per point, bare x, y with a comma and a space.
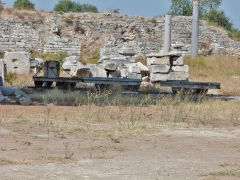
167, 33
195, 28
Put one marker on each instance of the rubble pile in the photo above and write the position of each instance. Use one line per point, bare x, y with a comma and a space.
167, 67
13, 95
115, 62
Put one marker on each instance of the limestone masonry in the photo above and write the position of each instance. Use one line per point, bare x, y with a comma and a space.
70, 32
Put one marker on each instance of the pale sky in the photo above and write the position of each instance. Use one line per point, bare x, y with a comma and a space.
139, 7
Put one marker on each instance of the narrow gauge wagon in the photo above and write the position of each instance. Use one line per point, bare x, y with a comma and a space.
52, 69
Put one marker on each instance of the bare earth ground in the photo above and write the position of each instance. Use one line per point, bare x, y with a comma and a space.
42, 149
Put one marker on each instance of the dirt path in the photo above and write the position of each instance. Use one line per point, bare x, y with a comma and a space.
169, 153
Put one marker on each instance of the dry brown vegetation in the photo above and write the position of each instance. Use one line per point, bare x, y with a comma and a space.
225, 70
24, 15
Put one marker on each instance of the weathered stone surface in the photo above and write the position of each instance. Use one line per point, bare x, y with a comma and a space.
161, 60
115, 74
15, 92
118, 60
127, 52
179, 61
144, 69
178, 76
184, 68
72, 59
96, 70
76, 67
134, 76
35, 64
133, 68
122, 30
161, 68
2, 97
84, 73
158, 77
17, 62
123, 71
110, 67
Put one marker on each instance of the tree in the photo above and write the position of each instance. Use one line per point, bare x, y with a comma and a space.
184, 7
71, 6
219, 18
23, 4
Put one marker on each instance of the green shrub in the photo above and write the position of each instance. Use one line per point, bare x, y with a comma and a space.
154, 21
1, 54
23, 4
68, 21
71, 6
219, 18
234, 34
11, 78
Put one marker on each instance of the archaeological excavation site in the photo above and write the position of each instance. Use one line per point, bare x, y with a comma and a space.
88, 93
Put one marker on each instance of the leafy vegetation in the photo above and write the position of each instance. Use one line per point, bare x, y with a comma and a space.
184, 7
209, 11
11, 78
71, 6
23, 4
49, 56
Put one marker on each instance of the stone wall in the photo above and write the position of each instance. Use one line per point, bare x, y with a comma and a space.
90, 30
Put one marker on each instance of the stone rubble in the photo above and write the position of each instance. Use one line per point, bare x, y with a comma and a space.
17, 62
14, 95
167, 67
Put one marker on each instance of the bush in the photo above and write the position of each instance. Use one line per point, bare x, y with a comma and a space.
70, 6
23, 4
11, 78
234, 34
219, 18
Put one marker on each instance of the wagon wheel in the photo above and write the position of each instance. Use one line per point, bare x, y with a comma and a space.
201, 91
131, 88
38, 84
49, 84
102, 87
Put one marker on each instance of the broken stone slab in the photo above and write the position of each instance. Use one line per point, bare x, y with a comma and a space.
127, 52
72, 59
160, 68
115, 74
97, 70
133, 68
84, 73
110, 67
144, 69
72, 68
118, 60
123, 71
77, 68
179, 61
2, 97
156, 77
178, 76
134, 75
21, 97
17, 62
158, 60
184, 68
163, 53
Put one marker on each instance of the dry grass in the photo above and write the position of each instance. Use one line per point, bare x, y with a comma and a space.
40, 160
24, 15
113, 122
225, 70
